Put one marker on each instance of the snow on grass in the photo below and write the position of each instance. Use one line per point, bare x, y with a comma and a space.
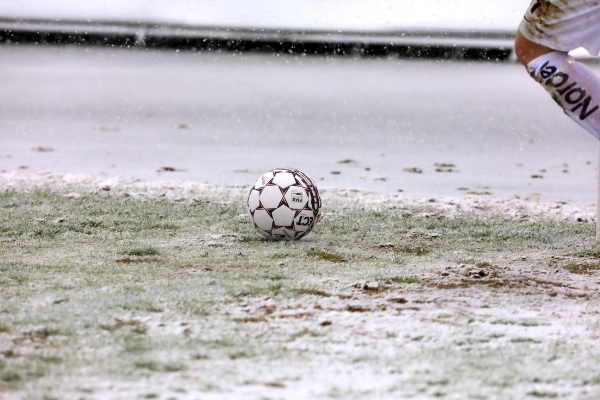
116, 288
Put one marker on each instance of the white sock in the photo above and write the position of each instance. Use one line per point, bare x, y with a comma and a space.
574, 86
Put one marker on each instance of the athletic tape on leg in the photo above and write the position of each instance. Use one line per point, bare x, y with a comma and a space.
574, 86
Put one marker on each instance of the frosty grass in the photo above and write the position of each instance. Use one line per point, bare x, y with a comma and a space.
122, 289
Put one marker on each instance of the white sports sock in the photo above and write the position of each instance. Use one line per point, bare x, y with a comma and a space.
574, 86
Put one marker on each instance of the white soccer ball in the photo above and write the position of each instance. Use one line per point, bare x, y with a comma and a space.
284, 204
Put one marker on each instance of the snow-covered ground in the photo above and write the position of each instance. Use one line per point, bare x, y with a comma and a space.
420, 126
523, 324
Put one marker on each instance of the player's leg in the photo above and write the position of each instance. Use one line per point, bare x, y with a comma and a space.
574, 86
526, 50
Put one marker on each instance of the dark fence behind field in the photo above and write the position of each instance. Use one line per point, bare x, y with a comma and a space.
464, 45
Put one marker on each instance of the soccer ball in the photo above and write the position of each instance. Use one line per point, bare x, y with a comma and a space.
284, 204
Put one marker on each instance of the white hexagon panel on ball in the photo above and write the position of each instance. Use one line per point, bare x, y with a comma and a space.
296, 197
263, 220
283, 216
271, 197
304, 220
254, 200
284, 179
264, 180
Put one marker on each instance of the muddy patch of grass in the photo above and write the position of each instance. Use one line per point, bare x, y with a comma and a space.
401, 279
312, 292
327, 256
118, 324
129, 260
582, 268
141, 252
